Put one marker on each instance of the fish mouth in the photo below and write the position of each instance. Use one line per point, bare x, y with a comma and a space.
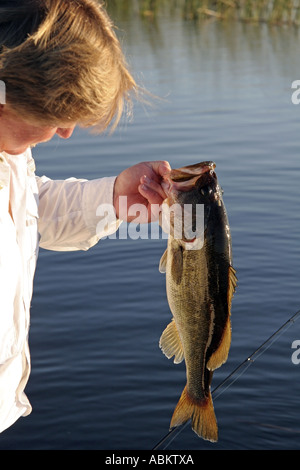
185, 178
200, 181
189, 172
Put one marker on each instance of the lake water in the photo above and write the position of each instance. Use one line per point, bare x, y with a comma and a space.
99, 379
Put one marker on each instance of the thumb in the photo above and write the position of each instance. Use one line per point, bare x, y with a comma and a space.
161, 167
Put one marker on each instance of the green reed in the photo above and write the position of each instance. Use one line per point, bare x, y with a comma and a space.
269, 11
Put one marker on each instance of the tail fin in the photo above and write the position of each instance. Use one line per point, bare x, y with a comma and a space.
203, 417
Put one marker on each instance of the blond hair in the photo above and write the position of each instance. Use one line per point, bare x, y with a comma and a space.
61, 62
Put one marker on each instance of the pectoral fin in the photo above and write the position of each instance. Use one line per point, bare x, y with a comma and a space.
163, 262
170, 343
220, 355
176, 263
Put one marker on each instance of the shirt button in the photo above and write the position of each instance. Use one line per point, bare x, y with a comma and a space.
1, 159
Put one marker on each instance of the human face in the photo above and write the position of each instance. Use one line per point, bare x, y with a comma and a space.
16, 135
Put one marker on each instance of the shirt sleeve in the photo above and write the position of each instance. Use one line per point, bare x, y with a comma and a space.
75, 213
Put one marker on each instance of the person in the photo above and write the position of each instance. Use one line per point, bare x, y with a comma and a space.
62, 66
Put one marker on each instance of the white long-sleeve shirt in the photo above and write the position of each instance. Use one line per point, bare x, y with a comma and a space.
56, 215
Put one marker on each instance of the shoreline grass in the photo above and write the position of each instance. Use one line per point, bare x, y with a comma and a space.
279, 12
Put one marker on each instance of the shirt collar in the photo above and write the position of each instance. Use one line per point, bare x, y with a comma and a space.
4, 171
5, 167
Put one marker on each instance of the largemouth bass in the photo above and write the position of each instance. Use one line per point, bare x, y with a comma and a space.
200, 282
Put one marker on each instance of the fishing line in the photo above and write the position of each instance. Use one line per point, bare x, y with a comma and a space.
235, 374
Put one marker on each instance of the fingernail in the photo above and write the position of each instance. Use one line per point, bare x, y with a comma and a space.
166, 168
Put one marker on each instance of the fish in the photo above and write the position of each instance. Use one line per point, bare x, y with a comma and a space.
200, 283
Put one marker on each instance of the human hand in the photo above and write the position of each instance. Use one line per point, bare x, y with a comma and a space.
141, 184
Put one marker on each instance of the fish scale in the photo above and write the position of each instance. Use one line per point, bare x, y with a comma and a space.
200, 282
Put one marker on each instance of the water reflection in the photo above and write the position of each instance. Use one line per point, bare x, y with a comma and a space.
99, 379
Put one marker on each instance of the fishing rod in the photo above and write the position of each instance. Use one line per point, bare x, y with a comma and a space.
235, 374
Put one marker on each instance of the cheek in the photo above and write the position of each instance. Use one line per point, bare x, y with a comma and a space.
50, 133
40, 135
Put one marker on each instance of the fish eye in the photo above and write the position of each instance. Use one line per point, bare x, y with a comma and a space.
206, 190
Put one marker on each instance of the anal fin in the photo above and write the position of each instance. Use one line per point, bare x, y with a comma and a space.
232, 282
220, 356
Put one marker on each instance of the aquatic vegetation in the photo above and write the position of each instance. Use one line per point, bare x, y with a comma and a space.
267, 11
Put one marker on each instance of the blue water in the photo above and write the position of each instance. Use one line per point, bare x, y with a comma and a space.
99, 379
